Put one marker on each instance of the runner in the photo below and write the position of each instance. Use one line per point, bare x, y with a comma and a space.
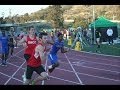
35, 61
57, 45
29, 42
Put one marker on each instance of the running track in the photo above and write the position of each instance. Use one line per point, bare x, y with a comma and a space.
76, 68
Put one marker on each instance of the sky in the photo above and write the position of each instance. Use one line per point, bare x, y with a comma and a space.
19, 9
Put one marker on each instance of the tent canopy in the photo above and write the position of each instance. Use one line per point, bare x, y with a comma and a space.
102, 22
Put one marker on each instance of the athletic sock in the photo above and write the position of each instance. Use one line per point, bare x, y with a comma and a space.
49, 67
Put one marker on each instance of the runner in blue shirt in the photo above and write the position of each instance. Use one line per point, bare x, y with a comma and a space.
57, 45
4, 47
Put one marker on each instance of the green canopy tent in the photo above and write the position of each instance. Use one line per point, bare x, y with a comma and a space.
103, 22
101, 25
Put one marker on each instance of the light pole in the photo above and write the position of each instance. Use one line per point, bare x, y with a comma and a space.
94, 22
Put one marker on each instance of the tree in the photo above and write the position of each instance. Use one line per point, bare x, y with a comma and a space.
55, 15
26, 17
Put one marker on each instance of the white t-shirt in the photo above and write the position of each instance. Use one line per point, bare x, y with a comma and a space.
109, 32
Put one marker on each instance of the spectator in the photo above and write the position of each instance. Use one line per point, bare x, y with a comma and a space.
110, 35
98, 35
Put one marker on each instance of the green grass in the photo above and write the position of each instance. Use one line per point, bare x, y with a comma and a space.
104, 49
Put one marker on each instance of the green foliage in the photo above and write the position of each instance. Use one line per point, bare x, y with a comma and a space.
57, 13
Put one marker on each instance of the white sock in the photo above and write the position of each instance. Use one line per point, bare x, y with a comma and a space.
50, 66
24, 77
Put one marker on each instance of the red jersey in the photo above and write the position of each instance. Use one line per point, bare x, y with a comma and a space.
31, 43
35, 62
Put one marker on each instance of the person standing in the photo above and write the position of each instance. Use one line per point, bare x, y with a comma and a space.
78, 36
5, 48
98, 36
11, 44
110, 35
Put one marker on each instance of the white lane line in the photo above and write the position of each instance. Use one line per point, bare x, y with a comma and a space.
97, 58
14, 74
97, 62
49, 76
90, 67
96, 68
78, 64
20, 58
45, 68
90, 75
10, 77
18, 52
74, 70
15, 71
85, 61
16, 65
64, 80
14, 54
99, 77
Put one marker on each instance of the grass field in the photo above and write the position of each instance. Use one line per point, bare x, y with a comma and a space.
104, 48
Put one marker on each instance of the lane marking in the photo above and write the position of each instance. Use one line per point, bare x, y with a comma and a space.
97, 62
13, 74
10, 77
97, 58
74, 70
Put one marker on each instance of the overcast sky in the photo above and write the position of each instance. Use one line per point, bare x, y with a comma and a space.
19, 9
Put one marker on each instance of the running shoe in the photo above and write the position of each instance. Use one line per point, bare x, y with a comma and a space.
51, 69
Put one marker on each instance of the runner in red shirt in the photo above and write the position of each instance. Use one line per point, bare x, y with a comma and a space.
30, 40
35, 61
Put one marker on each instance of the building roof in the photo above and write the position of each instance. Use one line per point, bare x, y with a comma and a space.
8, 25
